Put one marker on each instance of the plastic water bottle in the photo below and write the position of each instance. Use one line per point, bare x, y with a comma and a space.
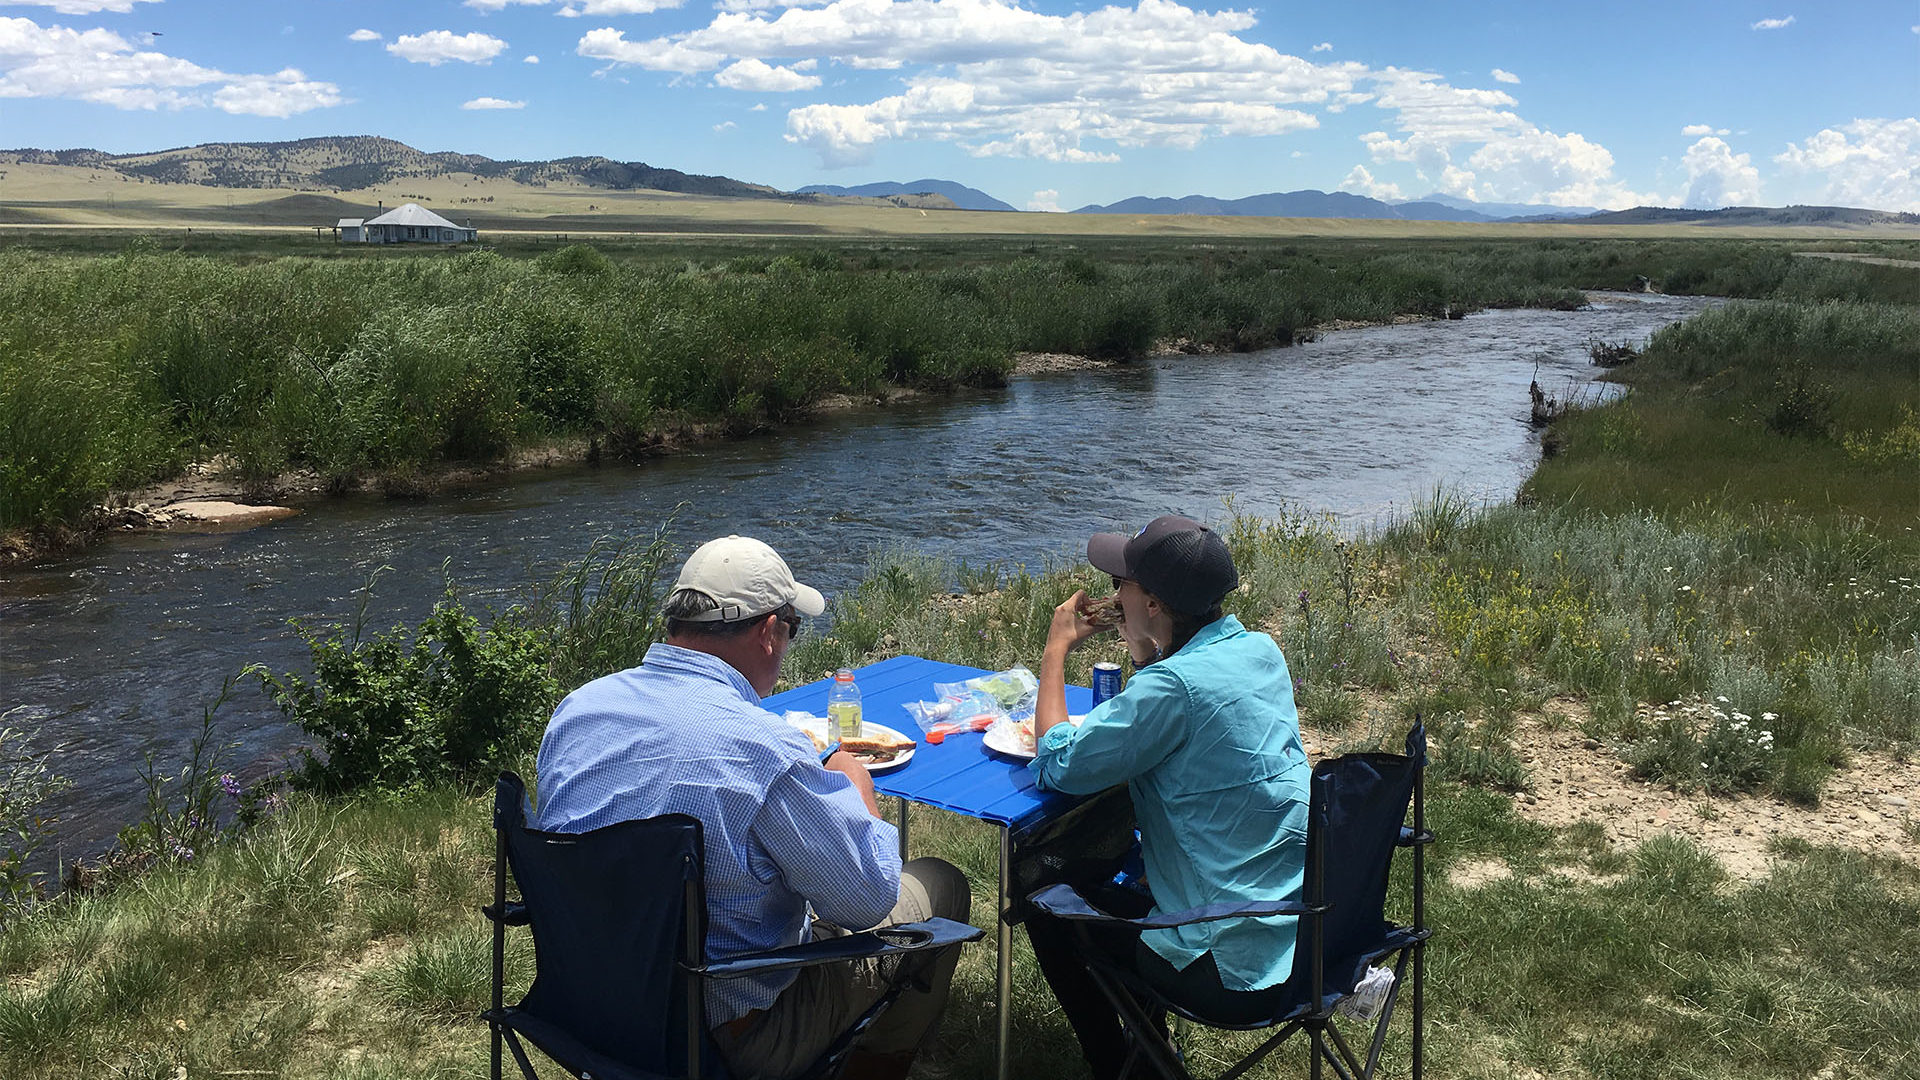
843, 708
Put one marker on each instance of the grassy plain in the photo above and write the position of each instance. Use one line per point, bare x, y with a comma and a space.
67, 197
1687, 612
363, 365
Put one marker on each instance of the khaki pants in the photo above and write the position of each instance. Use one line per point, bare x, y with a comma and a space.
792, 1033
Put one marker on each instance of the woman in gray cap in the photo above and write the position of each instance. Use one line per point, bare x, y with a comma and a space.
1206, 739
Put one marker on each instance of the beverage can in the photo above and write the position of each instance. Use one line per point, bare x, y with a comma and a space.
1106, 680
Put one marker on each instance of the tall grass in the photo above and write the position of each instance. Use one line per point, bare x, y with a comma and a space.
118, 370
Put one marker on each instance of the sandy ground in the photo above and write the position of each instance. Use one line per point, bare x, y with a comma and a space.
1871, 805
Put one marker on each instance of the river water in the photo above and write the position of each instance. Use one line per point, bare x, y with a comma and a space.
117, 651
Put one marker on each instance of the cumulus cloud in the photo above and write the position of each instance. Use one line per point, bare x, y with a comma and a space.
723, 125
436, 47
501, 5
363, 35
758, 75
1870, 163
1325, 46
1500, 75
1694, 131
997, 79
1718, 177
1361, 182
492, 103
529, 59
100, 66
79, 7
1045, 202
1774, 24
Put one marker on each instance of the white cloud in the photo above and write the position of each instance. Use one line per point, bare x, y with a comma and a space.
758, 75
1773, 24
1361, 182
1503, 76
1325, 46
1870, 163
617, 7
499, 5
100, 66
436, 47
1694, 131
79, 7
1045, 202
997, 79
759, 107
363, 35
1717, 177
723, 125
493, 103
529, 59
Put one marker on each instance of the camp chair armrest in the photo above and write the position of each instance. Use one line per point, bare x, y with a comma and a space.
1063, 902
516, 914
880, 941
1411, 838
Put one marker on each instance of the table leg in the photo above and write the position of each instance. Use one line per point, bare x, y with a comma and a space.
903, 831
1005, 980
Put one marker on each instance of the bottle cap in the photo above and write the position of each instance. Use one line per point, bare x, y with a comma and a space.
843, 675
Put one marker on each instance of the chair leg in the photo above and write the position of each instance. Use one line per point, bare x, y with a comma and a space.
520, 1056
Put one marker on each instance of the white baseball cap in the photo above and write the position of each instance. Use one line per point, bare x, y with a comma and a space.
745, 578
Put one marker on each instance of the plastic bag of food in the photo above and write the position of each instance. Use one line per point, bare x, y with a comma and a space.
1014, 690
962, 710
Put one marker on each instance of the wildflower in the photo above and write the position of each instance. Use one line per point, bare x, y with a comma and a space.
1721, 698
1769, 717
1668, 569
1686, 588
230, 784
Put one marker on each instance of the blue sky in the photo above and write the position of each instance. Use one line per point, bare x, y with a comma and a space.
1044, 105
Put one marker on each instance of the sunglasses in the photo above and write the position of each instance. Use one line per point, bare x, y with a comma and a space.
1119, 581
793, 625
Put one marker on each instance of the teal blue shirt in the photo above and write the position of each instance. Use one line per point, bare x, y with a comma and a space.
1208, 744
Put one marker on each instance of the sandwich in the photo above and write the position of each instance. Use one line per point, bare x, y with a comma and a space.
875, 747
1104, 612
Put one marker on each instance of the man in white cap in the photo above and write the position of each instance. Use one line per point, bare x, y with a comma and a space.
684, 733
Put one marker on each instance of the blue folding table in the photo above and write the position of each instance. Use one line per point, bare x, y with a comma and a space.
958, 774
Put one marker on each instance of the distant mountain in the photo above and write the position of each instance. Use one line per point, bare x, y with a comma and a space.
1751, 215
356, 162
1315, 204
964, 197
1301, 204
1498, 211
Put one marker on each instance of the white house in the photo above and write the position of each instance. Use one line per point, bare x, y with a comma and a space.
409, 223
350, 230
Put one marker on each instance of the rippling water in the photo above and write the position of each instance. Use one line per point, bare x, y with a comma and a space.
117, 651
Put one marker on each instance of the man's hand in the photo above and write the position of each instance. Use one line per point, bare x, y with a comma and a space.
856, 771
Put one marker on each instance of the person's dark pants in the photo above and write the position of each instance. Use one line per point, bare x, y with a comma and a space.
1063, 947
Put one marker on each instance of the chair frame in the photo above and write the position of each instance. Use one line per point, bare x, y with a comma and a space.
692, 966
1129, 996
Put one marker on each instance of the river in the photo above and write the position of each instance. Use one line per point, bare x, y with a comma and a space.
115, 652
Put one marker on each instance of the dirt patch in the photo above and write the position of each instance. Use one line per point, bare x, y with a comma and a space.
1866, 806
1049, 363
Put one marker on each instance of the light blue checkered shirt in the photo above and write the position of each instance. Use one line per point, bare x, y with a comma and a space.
684, 733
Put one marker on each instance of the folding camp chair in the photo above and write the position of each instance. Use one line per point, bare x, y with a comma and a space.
619, 929
1356, 821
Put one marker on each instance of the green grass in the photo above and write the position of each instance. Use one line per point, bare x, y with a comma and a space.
272, 954
116, 370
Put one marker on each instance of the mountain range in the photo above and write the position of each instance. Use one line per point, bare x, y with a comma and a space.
962, 196
360, 162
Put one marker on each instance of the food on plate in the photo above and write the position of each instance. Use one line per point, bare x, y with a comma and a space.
1105, 611
1023, 736
819, 740
876, 747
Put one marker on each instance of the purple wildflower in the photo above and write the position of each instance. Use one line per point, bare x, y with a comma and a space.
230, 784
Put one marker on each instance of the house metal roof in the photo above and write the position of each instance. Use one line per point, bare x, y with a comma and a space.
347, 223
413, 214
